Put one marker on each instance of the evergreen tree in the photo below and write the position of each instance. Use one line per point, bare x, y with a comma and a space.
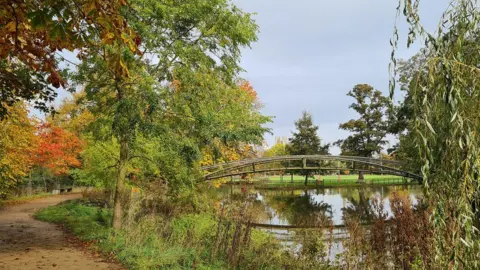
306, 140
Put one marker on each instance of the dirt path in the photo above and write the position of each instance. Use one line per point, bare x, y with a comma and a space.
26, 243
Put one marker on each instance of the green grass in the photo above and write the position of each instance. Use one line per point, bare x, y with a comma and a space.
86, 222
351, 177
137, 247
330, 181
153, 242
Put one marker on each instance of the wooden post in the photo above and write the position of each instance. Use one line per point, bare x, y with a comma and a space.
381, 164
304, 160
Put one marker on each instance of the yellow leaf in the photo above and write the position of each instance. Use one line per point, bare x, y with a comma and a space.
22, 41
124, 68
108, 38
132, 46
11, 26
89, 6
125, 37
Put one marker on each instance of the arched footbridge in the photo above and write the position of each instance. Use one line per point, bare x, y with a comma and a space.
308, 162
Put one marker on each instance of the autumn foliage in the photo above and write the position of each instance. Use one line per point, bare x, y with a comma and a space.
58, 150
219, 151
247, 87
33, 34
26, 147
17, 143
34, 30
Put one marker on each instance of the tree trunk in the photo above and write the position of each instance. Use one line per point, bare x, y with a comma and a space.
44, 180
306, 179
29, 188
121, 171
361, 179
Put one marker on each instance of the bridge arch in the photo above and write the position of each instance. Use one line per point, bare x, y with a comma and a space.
306, 162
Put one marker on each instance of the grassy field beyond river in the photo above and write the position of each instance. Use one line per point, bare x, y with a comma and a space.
287, 181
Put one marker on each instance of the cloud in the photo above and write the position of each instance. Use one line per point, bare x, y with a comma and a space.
311, 53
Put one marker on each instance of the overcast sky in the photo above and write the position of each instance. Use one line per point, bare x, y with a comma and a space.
310, 53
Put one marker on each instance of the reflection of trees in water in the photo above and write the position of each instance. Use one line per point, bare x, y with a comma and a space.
298, 207
359, 206
366, 204
300, 210
256, 210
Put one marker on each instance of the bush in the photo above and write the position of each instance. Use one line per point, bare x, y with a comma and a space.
185, 241
152, 243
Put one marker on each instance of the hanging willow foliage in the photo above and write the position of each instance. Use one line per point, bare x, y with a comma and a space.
446, 96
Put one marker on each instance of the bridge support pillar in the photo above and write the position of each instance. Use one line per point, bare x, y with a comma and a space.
361, 179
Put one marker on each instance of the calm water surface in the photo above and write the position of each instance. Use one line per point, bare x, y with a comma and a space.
312, 207
308, 207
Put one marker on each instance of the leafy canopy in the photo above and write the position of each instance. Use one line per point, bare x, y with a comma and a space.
178, 97
58, 150
278, 149
445, 100
370, 129
33, 33
17, 144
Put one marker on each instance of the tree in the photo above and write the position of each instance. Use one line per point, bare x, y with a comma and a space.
445, 102
306, 141
33, 33
73, 115
409, 71
278, 149
370, 129
218, 150
16, 147
58, 150
402, 118
187, 96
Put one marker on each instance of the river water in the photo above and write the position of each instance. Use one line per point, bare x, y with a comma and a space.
281, 212
307, 207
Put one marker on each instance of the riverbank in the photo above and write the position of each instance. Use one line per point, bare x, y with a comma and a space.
302, 186
226, 236
186, 241
327, 181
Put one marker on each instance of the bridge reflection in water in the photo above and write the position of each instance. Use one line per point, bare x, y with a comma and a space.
285, 213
